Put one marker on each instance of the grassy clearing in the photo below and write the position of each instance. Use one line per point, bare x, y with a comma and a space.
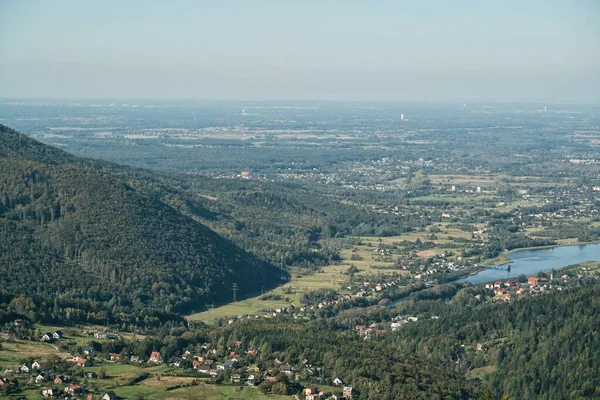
291, 293
129, 391
77, 334
69, 333
333, 276
480, 373
467, 180
14, 351
117, 370
213, 392
458, 198
442, 239
165, 381
491, 180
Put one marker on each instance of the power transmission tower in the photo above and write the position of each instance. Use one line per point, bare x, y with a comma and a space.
234, 287
209, 306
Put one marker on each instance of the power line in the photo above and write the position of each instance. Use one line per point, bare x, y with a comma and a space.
234, 287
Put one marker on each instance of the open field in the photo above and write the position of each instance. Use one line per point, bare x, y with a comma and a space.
116, 374
479, 373
457, 198
291, 293
76, 333
332, 276
14, 351
213, 392
467, 180
491, 180
368, 244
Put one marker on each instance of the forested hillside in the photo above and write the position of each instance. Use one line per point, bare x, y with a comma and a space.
79, 242
279, 222
544, 347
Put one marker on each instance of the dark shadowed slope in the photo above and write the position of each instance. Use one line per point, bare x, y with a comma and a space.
74, 230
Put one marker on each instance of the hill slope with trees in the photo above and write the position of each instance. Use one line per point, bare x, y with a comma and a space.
79, 242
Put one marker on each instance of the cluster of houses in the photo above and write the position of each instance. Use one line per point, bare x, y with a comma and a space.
399, 321
205, 361
76, 392
511, 288
367, 332
313, 393
205, 364
65, 386
154, 358
50, 337
365, 289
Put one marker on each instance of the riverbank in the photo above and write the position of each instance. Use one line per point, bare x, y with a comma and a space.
592, 265
503, 258
531, 261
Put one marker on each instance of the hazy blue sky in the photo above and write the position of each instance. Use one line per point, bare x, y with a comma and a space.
350, 50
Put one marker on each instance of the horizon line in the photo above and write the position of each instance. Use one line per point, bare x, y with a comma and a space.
311, 100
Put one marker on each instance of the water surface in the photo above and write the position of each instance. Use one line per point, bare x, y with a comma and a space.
530, 262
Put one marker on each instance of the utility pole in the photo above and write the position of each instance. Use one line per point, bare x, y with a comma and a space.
234, 287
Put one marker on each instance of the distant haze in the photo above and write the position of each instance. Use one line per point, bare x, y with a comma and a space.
510, 50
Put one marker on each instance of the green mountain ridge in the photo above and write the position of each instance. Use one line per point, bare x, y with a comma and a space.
79, 231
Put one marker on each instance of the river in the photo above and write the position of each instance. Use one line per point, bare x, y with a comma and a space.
530, 262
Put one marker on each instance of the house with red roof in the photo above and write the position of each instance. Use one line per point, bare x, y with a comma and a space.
84, 362
155, 357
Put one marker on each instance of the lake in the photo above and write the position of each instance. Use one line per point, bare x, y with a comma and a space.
530, 262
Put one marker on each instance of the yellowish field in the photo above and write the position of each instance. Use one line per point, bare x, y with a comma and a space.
12, 352
426, 253
490, 180
518, 203
333, 276
479, 373
165, 381
328, 277
469, 180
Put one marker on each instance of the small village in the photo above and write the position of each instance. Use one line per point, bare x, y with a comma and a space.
239, 365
